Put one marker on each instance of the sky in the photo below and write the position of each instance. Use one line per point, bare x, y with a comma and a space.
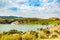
30, 8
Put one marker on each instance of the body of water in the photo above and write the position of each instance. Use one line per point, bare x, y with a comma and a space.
24, 28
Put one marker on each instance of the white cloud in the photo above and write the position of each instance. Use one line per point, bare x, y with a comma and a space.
45, 11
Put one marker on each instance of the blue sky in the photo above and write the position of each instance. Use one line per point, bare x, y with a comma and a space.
30, 8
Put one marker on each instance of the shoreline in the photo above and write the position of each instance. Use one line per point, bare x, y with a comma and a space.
52, 33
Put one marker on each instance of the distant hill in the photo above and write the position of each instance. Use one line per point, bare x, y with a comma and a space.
22, 20
9, 17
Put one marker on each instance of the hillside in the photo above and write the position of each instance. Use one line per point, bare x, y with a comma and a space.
21, 20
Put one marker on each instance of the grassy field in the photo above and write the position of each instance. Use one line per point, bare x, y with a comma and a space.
52, 33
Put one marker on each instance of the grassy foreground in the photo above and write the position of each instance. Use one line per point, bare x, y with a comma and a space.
52, 33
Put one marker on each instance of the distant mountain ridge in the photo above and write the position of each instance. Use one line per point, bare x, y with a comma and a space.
10, 17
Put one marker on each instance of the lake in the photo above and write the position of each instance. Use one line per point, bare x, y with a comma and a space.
24, 28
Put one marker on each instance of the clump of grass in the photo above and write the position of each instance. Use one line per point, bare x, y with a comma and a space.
58, 32
54, 36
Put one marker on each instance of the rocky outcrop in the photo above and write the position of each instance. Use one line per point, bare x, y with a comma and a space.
15, 23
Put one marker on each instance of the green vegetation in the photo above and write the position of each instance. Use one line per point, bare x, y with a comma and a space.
50, 21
